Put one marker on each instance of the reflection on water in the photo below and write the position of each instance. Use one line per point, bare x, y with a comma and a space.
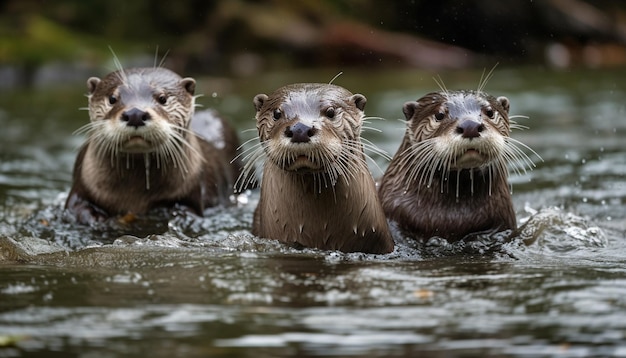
173, 284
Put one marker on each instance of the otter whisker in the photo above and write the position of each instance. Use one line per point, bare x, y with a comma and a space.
514, 125
178, 158
175, 150
439, 81
370, 129
425, 164
439, 164
518, 156
448, 162
502, 169
422, 161
515, 162
120, 73
367, 118
518, 126
471, 183
342, 168
244, 144
334, 78
249, 152
514, 143
407, 160
490, 169
357, 147
484, 79
248, 173
87, 129
162, 62
172, 151
515, 116
371, 147
146, 160
179, 137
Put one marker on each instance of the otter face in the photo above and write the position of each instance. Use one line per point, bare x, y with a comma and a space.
462, 129
310, 127
140, 111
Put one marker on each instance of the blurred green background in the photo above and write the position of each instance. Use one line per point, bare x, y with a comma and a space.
47, 42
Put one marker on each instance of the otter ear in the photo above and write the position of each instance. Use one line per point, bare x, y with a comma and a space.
359, 101
189, 84
504, 102
409, 109
92, 83
258, 101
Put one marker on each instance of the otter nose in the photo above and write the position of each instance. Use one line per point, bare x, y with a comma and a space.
135, 117
470, 129
300, 133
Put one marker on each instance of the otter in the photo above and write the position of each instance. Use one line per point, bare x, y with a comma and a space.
449, 177
316, 188
146, 147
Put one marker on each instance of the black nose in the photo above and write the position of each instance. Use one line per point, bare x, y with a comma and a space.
135, 117
470, 129
300, 133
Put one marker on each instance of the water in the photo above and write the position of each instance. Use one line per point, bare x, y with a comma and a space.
185, 286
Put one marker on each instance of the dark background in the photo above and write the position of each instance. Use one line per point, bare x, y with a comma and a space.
243, 38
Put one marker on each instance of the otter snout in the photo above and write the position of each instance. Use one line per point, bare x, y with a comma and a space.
135, 117
300, 133
470, 128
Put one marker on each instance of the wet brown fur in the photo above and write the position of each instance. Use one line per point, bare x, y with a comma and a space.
454, 202
311, 206
108, 181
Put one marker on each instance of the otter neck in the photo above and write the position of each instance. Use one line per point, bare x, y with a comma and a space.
303, 210
151, 170
466, 183
319, 184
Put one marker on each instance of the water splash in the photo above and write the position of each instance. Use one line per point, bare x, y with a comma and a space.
551, 230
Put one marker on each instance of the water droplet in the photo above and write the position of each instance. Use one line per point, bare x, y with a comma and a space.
583, 161
608, 218
214, 94
584, 200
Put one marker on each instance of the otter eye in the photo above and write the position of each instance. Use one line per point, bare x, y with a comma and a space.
439, 116
162, 99
277, 114
330, 112
112, 99
489, 112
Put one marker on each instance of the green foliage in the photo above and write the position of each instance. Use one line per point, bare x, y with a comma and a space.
34, 39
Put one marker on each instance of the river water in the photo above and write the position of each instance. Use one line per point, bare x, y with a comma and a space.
177, 285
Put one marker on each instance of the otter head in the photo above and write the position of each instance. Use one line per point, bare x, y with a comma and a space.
458, 130
140, 110
310, 127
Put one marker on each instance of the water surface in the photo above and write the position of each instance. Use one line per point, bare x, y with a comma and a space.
178, 285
